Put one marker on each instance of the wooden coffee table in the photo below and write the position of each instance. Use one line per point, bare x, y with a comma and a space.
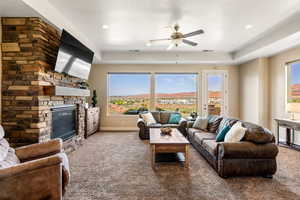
168, 144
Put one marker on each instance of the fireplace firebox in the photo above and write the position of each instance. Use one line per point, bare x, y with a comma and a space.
63, 121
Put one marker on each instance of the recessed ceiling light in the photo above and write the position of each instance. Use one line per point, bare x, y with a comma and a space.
148, 44
249, 26
105, 26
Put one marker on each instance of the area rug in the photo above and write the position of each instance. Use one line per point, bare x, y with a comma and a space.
116, 166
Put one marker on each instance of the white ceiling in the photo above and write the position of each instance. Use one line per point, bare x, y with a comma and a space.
133, 22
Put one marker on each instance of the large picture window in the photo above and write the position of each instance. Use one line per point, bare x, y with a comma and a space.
293, 83
128, 93
176, 92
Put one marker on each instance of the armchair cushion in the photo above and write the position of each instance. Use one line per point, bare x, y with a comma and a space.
39, 150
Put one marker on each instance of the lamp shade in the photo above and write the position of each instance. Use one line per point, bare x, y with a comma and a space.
293, 107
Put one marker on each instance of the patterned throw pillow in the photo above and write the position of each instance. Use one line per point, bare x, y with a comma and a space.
174, 118
226, 122
148, 117
201, 123
213, 123
221, 136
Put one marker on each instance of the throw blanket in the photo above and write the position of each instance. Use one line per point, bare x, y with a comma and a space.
4, 146
9, 156
66, 170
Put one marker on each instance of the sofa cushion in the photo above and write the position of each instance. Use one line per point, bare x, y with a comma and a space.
174, 118
257, 134
192, 131
156, 115
164, 117
170, 125
226, 122
201, 123
154, 125
211, 146
200, 136
213, 123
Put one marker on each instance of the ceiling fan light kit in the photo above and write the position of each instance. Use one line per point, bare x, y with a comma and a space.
178, 38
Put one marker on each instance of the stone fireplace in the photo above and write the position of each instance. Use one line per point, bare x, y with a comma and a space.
29, 51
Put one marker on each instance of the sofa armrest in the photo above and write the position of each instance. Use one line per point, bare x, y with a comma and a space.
39, 150
183, 122
246, 150
141, 123
30, 166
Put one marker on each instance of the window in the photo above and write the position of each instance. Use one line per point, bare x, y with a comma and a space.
293, 83
128, 93
176, 92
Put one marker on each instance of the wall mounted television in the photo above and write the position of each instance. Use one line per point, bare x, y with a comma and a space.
73, 58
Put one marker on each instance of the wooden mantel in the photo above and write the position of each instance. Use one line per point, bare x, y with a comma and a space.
66, 91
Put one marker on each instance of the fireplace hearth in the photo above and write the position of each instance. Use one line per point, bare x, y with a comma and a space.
63, 121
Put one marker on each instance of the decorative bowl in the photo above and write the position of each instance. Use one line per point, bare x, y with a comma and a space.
166, 131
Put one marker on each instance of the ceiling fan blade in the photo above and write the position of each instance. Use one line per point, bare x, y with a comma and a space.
170, 46
158, 40
193, 33
189, 42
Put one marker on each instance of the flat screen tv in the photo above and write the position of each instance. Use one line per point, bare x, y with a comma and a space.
73, 57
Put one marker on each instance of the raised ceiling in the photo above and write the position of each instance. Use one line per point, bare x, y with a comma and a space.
133, 22
275, 27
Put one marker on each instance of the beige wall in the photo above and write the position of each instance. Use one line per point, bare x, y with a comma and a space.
278, 83
254, 91
98, 80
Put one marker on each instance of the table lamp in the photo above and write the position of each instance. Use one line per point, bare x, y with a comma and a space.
293, 108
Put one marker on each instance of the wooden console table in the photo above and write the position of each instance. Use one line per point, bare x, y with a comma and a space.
291, 126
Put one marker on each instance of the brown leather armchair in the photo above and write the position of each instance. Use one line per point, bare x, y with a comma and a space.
40, 175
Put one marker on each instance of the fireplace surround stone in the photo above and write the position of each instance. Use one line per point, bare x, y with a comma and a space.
29, 51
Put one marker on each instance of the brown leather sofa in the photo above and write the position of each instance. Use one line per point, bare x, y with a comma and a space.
40, 174
255, 155
162, 119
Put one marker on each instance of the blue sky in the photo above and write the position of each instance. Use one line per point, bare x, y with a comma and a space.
132, 84
295, 73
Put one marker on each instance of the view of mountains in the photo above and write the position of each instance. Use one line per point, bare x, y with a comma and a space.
295, 90
211, 94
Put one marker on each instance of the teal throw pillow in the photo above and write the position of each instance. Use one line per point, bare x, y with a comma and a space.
221, 136
174, 118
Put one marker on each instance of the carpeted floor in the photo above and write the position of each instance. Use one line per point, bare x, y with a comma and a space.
116, 165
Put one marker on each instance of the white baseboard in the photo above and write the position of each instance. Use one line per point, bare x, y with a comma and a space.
119, 129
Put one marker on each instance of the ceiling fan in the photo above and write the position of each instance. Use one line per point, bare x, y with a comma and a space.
177, 37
